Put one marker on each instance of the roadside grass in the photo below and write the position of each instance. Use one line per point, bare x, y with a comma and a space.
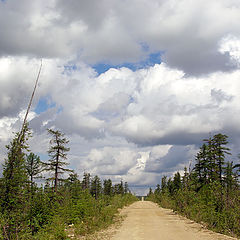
85, 215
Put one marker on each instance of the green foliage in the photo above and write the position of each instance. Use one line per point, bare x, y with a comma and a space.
28, 211
118, 188
15, 186
96, 187
33, 166
57, 152
209, 193
86, 181
107, 187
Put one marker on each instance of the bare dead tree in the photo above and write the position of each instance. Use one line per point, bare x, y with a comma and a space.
30, 103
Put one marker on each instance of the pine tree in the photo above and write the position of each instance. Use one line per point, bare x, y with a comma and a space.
58, 154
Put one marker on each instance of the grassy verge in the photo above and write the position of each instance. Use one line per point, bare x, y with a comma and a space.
83, 216
203, 207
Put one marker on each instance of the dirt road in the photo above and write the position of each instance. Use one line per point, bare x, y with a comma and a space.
146, 221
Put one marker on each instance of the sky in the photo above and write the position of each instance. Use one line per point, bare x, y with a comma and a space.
135, 85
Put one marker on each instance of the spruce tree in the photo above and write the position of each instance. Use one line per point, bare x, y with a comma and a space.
96, 187
177, 184
86, 181
211, 160
219, 140
200, 170
107, 187
15, 184
58, 155
164, 184
34, 167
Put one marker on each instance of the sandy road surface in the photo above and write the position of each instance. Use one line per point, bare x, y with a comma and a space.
146, 221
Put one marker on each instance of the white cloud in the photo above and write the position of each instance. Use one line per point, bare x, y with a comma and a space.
110, 161
187, 31
122, 123
231, 45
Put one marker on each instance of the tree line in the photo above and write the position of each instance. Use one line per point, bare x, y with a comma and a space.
209, 192
31, 211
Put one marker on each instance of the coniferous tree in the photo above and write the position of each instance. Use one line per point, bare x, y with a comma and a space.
58, 155
126, 188
229, 180
185, 178
107, 187
14, 182
237, 165
164, 184
34, 167
96, 187
170, 186
118, 188
219, 141
158, 189
210, 192
73, 185
211, 159
86, 181
177, 182
150, 192
200, 170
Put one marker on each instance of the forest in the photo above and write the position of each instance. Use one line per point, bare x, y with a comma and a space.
208, 192
33, 206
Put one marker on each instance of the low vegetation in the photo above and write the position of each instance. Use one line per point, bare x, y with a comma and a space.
61, 206
209, 193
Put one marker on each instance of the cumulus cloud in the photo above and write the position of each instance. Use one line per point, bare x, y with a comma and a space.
110, 161
231, 44
187, 31
176, 158
124, 123
153, 106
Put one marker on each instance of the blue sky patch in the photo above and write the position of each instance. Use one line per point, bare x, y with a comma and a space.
153, 58
43, 105
43, 157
